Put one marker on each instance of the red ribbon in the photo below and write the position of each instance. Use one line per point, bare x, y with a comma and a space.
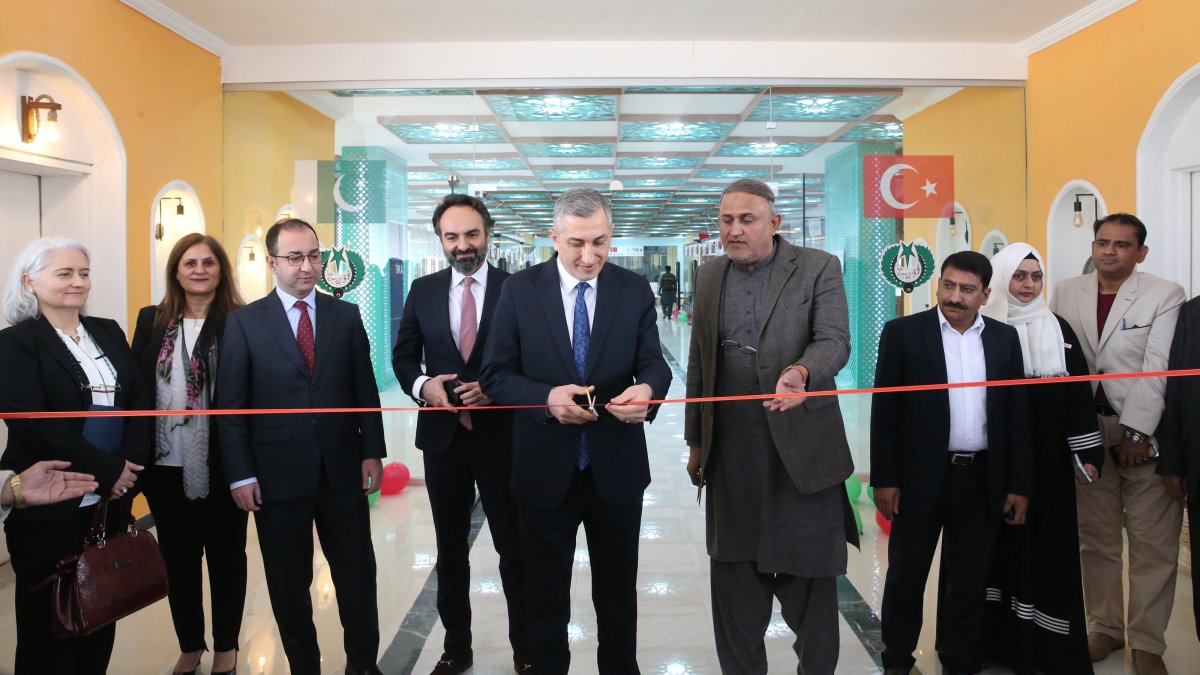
703, 399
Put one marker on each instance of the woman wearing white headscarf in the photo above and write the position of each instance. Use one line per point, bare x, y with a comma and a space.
1035, 599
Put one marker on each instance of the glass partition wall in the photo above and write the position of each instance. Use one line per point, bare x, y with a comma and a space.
368, 166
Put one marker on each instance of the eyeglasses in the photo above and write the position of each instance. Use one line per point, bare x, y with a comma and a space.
739, 346
296, 259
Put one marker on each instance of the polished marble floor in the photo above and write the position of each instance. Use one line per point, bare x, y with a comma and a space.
675, 620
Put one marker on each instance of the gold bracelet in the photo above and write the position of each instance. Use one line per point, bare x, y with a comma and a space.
18, 491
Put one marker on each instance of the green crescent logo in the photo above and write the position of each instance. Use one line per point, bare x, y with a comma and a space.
341, 270
906, 266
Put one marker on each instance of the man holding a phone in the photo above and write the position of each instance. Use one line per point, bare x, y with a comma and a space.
446, 320
953, 463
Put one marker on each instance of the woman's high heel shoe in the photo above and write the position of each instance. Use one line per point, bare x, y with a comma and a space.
231, 671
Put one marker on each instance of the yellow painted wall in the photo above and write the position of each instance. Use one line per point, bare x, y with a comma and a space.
1091, 96
163, 92
265, 133
984, 129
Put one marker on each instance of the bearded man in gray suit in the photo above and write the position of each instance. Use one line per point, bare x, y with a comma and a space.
770, 317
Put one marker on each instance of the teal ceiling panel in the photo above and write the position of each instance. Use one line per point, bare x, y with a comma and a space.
817, 108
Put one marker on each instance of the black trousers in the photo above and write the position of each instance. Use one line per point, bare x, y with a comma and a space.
668, 304
189, 531
968, 528
1194, 536
35, 549
450, 478
285, 535
548, 549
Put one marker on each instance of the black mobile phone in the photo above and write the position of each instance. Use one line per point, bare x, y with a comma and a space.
451, 385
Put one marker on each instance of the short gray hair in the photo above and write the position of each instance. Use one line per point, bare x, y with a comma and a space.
19, 302
581, 203
752, 186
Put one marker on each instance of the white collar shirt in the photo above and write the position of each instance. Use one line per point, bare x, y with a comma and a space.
965, 362
568, 286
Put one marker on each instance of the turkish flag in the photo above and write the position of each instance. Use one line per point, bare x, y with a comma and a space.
908, 186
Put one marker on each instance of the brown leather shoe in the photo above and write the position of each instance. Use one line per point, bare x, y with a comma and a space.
1100, 645
1145, 663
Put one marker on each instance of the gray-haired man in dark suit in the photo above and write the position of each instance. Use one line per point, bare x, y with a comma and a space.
770, 317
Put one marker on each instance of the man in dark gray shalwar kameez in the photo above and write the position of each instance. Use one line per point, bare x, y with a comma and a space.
770, 317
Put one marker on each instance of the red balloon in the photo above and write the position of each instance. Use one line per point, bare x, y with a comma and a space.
395, 478
884, 524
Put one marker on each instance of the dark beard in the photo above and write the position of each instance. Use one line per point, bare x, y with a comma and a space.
466, 266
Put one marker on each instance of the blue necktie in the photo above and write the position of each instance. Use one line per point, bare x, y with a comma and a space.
579, 345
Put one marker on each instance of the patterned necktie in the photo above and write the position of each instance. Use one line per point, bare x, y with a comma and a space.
579, 345
304, 337
467, 330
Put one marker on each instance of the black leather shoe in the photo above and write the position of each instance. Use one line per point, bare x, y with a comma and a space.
896, 670
453, 662
372, 670
521, 664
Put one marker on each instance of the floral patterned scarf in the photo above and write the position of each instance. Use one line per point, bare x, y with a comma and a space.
194, 372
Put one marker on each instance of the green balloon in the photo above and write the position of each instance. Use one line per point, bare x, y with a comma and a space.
854, 488
871, 493
372, 498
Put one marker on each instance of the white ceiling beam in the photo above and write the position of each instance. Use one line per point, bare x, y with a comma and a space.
597, 63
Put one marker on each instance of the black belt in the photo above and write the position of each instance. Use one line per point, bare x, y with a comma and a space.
1106, 410
966, 458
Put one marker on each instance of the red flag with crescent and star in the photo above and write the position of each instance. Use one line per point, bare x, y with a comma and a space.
908, 186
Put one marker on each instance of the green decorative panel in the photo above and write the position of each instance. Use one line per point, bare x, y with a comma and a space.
859, 242
375, 187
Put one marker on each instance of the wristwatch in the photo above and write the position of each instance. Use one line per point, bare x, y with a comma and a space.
17, 491
1136, 436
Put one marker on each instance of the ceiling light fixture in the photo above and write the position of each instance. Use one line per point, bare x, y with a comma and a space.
32, 125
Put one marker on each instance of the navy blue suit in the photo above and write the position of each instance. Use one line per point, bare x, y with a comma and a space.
529, 353
309, 467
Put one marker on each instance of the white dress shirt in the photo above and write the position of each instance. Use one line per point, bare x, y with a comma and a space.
567, 286
293, 317
479, 290
99, 372
968, 406
293, 313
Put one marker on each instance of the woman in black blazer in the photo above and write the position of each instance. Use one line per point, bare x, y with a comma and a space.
58, 359
175, 344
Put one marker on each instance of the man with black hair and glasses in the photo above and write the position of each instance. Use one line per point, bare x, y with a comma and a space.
300, 349
770, 318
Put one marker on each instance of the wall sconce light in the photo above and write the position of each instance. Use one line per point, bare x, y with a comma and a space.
32, 125
1077, 216
954, 222
250, 253
180, 221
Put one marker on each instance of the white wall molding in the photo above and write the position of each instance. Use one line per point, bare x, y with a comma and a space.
493, 63
1097, 11
181, 25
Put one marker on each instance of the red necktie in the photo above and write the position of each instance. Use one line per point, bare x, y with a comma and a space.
304, 337
467, 330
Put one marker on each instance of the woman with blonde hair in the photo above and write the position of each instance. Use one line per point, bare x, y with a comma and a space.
175, 344
58, 359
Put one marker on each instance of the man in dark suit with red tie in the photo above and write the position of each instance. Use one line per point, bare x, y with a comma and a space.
299, 349
564, 330
446, 319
